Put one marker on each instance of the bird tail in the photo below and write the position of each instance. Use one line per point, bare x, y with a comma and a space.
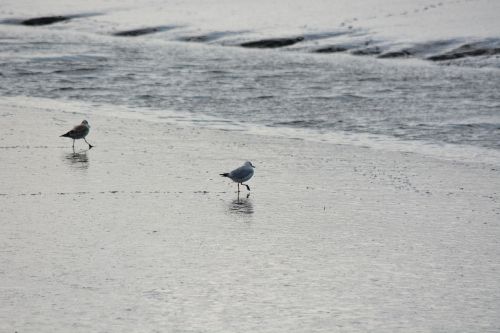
225, 174
67, 135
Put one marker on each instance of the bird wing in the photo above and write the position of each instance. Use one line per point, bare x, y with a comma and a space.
79, 130
241, 172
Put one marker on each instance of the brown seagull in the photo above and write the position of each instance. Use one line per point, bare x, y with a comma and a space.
79, 132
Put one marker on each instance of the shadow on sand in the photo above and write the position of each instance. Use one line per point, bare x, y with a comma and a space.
241, 206
77, 160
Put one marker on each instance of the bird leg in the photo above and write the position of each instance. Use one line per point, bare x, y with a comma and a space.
73, 145
238, 189
90, 146
248, 187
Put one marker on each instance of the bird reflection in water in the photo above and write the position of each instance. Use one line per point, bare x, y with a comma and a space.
78, 160
241, 206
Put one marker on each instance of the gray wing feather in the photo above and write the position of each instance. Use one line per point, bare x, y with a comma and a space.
80, 131
241, 173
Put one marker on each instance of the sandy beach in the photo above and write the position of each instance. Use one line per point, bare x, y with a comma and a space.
141, 234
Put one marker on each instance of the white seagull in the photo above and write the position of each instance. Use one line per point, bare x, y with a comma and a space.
79, 132
241, 174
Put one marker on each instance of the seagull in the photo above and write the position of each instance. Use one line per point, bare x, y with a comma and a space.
241, 174
79, 132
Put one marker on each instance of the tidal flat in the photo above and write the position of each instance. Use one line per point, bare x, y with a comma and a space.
141, 234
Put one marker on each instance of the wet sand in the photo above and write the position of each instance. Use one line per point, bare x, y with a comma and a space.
141, 234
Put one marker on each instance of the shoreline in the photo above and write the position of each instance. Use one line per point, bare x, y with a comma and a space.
442, 151
141, 233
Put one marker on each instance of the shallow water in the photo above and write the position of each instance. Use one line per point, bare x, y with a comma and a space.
218, 85
142, 234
